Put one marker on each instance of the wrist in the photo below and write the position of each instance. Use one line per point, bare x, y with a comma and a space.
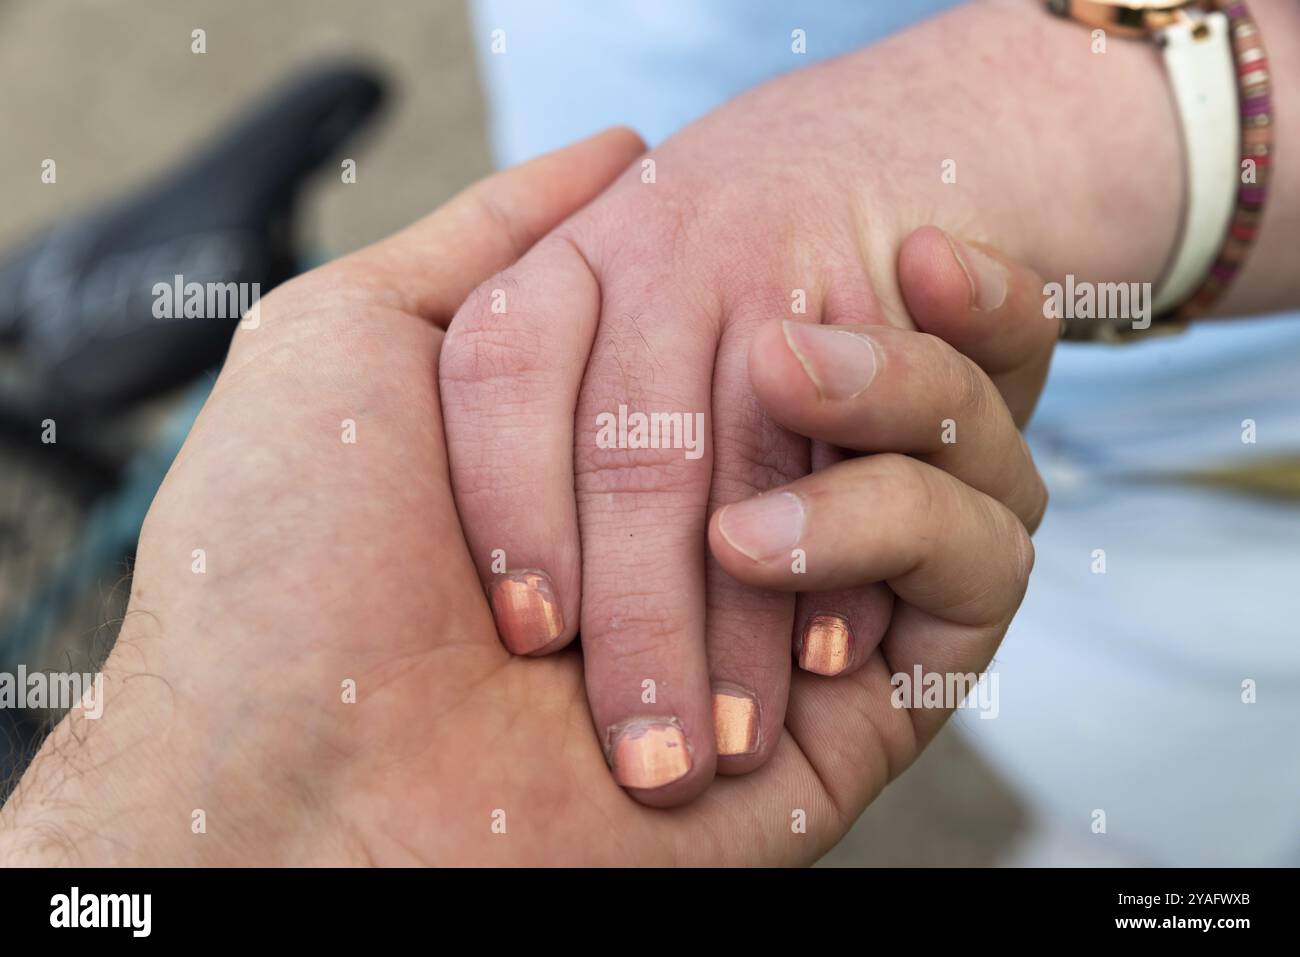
91, 794
160, 779
1056, 162
1004, 126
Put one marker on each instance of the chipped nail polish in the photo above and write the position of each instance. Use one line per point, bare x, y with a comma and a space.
648, 753
527, 613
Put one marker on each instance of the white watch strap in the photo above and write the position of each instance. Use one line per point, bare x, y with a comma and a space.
1204, 83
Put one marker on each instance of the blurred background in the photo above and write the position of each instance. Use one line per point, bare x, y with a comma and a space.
113, 93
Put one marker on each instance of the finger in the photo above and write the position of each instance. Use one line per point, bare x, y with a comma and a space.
432, 265
857, 618
642, 514
748, 628
985, 306
877, 388
509, 373
939, 544
844, 742
957, 560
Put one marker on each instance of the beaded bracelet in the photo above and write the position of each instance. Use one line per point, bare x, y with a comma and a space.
1255, 104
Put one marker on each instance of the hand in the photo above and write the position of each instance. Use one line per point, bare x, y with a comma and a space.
797, 195
943, 529
285, 569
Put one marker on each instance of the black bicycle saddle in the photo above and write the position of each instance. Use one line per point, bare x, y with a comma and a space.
80, 304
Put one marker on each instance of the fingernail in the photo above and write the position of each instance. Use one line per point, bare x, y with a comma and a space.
528, 616
764, 527
840, 363
649, 753
735, 721
987, 277
826, 643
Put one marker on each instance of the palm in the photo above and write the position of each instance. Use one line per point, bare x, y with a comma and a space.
343, 565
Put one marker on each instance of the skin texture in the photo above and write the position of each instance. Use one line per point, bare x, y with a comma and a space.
331, 566
325, 566
655, 296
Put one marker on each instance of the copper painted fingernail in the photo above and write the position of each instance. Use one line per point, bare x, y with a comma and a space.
827, 641
527, 612
649, 753
735, 721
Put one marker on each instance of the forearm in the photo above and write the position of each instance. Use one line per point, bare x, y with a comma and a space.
1067, 159
143, 783
90, 794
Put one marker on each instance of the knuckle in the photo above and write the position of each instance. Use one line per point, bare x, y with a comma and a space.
912, 490
963, 388
1012, 543
754, 456
632, 619
489, 478
1038, 499
654, 478
925, 497
634, 437
1020, 486
482, 346
906, 480
488, 210
1023, 554
668, 221
328, 305
969, 387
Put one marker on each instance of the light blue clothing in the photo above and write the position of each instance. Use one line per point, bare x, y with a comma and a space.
573, 67
1121, 691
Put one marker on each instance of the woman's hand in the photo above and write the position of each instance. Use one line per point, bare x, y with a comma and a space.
957, 464
792, 201
995, 121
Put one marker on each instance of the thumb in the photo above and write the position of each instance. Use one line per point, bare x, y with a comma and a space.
983, 305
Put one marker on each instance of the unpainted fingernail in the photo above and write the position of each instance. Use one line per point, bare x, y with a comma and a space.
648, 753
840, 363
987, 276
735, 720
827, 642
764, 527
527, 613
